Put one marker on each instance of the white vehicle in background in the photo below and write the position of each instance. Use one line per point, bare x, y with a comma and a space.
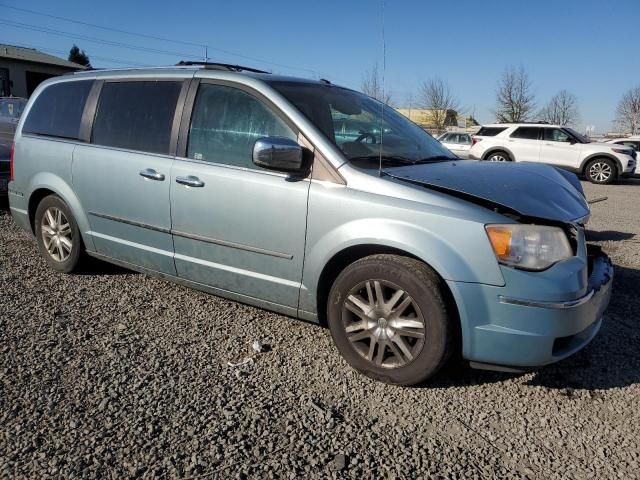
633, 142
554, 145
458, 143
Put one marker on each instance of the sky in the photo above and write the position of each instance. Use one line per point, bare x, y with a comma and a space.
588, 47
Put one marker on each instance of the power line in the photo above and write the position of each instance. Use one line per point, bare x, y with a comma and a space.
36, 28
52, 31
62, 52
163, 39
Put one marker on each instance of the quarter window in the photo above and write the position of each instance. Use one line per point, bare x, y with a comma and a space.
57, 111
136, 115
490, 131
526, 133
225, 124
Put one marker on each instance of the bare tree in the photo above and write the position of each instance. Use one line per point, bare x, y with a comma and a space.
562, 109
628, 111
372, 86
436, 96
514, 99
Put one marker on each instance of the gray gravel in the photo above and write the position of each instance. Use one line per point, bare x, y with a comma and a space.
113, 374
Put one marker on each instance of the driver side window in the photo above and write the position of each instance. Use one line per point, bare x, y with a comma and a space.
225, 124
555, 135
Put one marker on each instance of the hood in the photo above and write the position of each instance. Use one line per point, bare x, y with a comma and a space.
529, 189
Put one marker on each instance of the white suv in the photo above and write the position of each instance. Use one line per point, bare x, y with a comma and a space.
559, 146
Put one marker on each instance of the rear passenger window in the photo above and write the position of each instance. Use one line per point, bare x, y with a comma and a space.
490, 131
57, 111
136, 115
527, 133
225, 124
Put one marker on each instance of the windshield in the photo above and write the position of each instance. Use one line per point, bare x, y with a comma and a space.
352, 121
581, 138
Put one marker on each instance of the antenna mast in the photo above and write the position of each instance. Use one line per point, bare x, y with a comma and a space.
382, 100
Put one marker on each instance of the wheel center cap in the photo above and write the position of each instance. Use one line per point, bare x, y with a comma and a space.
382, 322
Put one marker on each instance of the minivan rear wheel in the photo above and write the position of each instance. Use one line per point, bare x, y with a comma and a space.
389, 320
57, 234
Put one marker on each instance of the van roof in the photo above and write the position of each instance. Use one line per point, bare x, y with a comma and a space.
190, 68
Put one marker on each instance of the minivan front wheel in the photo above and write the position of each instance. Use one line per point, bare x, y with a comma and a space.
57, 234
388, 319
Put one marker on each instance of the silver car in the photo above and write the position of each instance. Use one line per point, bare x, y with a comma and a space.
235, 182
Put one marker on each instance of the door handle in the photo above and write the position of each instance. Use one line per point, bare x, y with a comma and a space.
151, 174
190, 181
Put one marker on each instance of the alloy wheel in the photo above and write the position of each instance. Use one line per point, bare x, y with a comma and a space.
600, 171
498, 157
56, 234
383, 323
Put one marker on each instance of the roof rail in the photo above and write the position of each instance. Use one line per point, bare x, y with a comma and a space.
540, 122
219, 66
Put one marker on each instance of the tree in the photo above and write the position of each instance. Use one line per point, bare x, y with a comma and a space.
514, 99
628, 111
562, 109
436, 96
79, 56
372, 86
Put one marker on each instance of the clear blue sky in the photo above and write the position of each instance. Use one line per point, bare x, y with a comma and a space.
589, 47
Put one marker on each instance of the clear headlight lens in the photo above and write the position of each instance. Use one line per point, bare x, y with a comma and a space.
531, 247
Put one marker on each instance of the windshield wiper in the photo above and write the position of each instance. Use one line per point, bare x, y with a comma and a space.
386, 159
436, 158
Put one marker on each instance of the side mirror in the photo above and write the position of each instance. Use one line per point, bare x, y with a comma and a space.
278, 153
572, 140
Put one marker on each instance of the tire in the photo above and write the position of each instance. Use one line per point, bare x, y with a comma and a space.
600, 171
361, 337
498, 156
57, 234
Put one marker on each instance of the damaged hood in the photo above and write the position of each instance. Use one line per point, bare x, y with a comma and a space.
529, 189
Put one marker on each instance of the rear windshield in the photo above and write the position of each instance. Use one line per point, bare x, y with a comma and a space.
490, 131
57, 110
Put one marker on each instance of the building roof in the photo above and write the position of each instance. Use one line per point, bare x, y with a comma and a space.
35, 56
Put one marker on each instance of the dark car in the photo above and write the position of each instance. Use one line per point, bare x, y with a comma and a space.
10, 111
5, 155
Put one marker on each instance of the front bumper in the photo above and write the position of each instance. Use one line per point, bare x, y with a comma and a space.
505, 330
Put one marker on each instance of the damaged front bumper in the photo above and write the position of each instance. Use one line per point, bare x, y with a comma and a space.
506, 327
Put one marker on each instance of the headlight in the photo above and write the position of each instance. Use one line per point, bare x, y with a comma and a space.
623, 151
531, 247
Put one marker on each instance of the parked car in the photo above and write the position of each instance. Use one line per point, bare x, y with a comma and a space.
5, 165
10, 110
554, 145
234, 182
458, 143
633, 142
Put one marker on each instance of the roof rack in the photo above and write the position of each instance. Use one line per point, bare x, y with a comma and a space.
541, 122
219, 66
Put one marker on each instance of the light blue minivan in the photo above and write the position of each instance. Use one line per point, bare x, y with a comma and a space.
244, 184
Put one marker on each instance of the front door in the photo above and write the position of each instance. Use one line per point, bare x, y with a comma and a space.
559, 148
123, 176
236, 227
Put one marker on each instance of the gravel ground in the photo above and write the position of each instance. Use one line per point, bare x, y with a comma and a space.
113, 374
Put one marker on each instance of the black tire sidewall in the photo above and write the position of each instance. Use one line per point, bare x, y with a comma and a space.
499, 152
72, 261
423, 286
608, 162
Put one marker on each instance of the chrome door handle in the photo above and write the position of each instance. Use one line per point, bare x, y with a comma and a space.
151, 174
190, 181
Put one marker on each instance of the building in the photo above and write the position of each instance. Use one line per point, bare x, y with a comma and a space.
23, 69
426, 117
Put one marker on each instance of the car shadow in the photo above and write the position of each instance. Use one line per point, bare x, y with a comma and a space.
611, 360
